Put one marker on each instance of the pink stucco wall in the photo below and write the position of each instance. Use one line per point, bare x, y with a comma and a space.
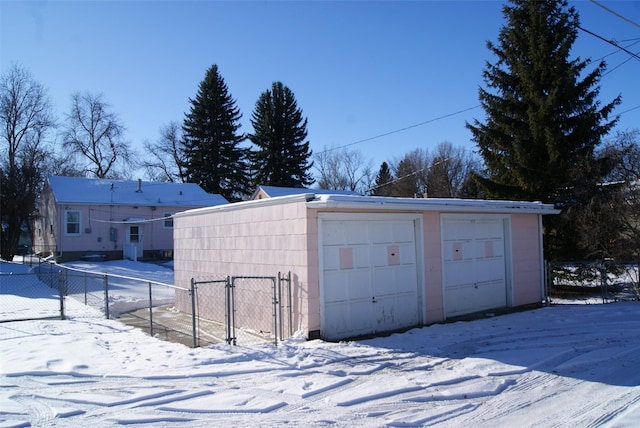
434, 303
527, 270
251, 239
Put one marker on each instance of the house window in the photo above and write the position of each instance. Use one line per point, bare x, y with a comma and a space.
168, 220
134, 234
72, 222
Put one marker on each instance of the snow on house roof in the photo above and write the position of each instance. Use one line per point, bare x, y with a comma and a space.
94, 191
384, 203
275, 191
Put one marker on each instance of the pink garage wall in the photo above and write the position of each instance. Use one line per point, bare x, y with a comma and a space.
527, 266
434, 301
257, 238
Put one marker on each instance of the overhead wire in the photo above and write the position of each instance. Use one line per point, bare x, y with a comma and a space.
613, 12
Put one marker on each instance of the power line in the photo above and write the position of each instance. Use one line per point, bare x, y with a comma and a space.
395, 131
615, 13
611, 42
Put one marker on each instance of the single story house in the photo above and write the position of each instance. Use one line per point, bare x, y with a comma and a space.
365, 265
112, 219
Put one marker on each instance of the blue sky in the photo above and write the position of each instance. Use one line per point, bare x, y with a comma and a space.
358, 69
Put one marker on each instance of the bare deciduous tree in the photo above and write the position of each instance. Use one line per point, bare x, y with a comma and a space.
343, 169
97, 136
450, 168
166, 156
25, 118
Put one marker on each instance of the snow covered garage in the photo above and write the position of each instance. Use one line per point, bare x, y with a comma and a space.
366, 265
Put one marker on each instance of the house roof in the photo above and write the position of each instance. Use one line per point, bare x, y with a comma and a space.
275, 192
94, 191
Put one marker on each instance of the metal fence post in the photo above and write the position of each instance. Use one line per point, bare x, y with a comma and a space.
193, 312
275, 313
61, 293
106, 296
85, 288
230, 310
150, 311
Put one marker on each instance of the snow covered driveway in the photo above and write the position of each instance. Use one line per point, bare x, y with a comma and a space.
566, 365
560, 366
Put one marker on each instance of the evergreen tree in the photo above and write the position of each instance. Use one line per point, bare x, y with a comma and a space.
543, 122
213, 156
281, 157
407, 183
384, 181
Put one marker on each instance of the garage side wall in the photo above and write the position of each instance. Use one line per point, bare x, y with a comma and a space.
258, 241
527, 274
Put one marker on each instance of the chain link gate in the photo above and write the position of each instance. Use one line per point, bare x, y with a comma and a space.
248, 309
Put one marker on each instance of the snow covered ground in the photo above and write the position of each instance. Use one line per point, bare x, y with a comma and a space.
564, 365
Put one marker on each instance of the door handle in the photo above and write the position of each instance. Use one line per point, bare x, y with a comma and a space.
373, 300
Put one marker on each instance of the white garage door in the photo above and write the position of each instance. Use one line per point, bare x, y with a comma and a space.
369, 275
475, 264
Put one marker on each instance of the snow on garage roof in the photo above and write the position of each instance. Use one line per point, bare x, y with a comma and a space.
382, 203
430, 204
94, 191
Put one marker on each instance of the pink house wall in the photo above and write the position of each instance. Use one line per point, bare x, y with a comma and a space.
98, 219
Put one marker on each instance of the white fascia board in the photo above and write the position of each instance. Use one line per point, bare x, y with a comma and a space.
248, 204
430, 204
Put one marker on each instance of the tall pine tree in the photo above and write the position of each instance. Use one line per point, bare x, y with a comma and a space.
281, 157
214, 158
384, 181
544, 120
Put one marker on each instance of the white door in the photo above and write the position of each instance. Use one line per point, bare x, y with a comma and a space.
474, 258
133, 242
369, 274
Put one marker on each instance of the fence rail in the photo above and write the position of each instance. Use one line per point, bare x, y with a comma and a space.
234, 310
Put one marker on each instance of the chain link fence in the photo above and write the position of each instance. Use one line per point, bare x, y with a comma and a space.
603, 279
239, 310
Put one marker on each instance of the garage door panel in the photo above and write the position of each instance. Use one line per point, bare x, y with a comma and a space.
336, 319
362, 257
356, 233
458, 273
490, 270
403, 232
489, 229
381, 233
359, 284
331, 258
333, 233
335, 290
360, 316
457, 250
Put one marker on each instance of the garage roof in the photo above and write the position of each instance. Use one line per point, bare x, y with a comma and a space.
430, 204
383, 203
